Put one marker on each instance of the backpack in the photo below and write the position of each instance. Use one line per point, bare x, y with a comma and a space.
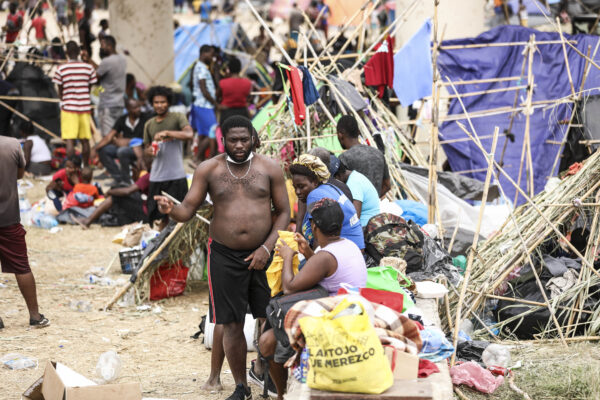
388, 235
280, 305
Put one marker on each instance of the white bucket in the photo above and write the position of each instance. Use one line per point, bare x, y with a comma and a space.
250, 329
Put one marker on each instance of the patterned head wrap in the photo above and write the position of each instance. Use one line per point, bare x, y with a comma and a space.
314, 164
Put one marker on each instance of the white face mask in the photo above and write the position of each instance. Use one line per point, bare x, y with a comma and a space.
231, 160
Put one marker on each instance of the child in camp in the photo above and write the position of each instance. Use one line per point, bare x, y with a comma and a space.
84, 193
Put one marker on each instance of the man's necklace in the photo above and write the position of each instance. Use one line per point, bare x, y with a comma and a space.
241, 177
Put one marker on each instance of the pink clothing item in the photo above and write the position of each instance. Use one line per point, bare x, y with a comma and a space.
351, 267
473, 375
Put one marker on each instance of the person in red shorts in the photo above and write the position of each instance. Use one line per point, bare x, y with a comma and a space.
13, 249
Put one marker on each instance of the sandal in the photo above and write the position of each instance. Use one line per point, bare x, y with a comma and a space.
40, 323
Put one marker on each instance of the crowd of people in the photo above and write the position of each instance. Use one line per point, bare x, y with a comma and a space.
142, 147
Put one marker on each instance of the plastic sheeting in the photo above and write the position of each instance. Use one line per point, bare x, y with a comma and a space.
453, 210
189, 39
462, 186
551, 82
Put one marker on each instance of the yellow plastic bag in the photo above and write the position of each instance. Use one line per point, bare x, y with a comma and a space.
345, 354
274, 271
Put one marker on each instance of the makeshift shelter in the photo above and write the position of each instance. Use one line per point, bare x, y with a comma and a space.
511, 275
225, 34
498, 61
30, 80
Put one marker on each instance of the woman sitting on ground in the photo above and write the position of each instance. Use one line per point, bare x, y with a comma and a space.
336, 261
310, 176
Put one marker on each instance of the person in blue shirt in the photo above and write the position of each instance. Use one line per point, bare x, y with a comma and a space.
364, 194
309, 177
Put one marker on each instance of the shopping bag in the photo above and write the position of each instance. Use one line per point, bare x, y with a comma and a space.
386, 278
274, 271
345, 354
392, 300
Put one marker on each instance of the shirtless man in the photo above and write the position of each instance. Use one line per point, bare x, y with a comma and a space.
242, 186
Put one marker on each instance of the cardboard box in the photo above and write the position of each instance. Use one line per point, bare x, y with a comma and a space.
404, 365
62, 383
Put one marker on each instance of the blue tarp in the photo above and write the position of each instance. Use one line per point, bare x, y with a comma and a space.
189, 39
551, 82
413, 71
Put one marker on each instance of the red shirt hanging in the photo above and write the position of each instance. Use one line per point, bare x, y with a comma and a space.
295, 81
379, 70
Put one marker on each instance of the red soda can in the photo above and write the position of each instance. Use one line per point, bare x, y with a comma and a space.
155, 148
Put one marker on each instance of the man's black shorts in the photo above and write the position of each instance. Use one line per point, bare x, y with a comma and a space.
232, 287
177, 188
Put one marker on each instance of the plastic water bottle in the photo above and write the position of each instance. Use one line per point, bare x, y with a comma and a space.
496, 355
18, 361
304, 364
24, 209
109, 366
44, 221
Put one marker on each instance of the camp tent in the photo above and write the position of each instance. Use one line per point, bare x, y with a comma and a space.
224, 34
551, 83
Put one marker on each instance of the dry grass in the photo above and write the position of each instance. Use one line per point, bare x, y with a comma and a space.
550, 372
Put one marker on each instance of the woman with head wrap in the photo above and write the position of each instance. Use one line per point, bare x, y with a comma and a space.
310, 176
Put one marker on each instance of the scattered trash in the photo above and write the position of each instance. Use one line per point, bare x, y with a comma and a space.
109, 366
144, 307
430, 290
105, 339
128, 299
156, 310
45, 221
2, 285
123, 333
17, 361
98, 271
496, 355
55, 229
471, 350
475, 376
435, 345
80, 305
102, 281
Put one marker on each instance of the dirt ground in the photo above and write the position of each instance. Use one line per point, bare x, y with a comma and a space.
157, 352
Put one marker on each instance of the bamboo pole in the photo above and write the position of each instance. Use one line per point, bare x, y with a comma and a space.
345, 26
526, 142
552, 226
433, 147
283, 52
391, 29
147, 262
487, 80
26, 118
502, 44
581, 89
467, 274
528, 255
564, 48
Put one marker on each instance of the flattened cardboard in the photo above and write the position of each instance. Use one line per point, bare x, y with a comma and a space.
405, 366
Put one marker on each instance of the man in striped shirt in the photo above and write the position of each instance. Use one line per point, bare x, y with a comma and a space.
74, 80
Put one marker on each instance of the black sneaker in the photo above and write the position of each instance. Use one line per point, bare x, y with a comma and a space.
1, 324
104, 175
260, 381
241, 393
40, 323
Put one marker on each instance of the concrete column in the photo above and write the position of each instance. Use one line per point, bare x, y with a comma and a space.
145, 29
462, 18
